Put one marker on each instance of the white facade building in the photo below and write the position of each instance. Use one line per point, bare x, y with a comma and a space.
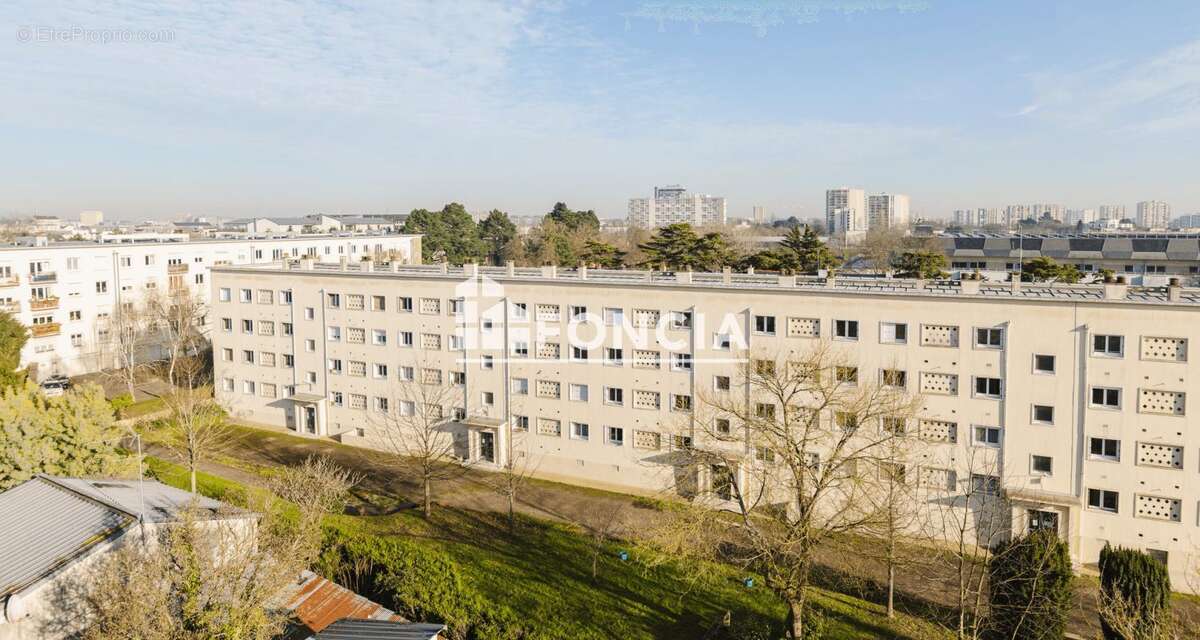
1078, 216
887, 211
91, 218
1112, 212
1153, 214
68, 293
1063, 406
846, 212
672, 205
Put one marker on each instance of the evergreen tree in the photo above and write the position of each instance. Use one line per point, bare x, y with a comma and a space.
1043, 269
1029, 587
450, 234
573, 220
920, 264
497, 230
602, 255
1135, 595
678, 247
70, 435
804, 251
13, 336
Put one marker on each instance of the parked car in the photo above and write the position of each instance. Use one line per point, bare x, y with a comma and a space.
55, 385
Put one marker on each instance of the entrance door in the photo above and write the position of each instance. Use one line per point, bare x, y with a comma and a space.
1039, 519
487, 446
310, 419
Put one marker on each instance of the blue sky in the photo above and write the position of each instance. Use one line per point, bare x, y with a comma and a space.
292, 107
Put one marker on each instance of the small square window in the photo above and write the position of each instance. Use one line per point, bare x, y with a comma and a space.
987, 436
579, 431
988, 387
893, 333
1041, 465
1104, 449
721, 383
845, 329
1043, 414
1108, 346
1043, 364
1103, 500
764, 325
1106, 397
989, 338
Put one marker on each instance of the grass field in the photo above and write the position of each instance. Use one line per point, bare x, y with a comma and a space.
543, 574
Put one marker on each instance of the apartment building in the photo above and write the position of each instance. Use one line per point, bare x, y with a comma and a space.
673, 205
1153, 214
887, 211
846, 212
1070, 402
69, 293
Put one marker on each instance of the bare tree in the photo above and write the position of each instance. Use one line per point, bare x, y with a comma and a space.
511, 480
791, 457
418, 428
196, 427
602, 523
879, 246
179, 317
972, 514
210, 577
123, 341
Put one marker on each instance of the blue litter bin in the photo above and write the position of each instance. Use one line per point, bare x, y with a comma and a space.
623, 555
749, 582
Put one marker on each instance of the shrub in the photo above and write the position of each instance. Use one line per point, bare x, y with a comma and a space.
1135, 595
120, 403
1029, 586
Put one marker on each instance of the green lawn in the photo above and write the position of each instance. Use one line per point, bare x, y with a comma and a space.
543, 575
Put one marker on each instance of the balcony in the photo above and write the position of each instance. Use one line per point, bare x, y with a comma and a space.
45, 277
10, 306
177, 268
9, 281
43, 304
45, 329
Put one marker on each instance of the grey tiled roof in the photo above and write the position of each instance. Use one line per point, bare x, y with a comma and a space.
1160, 247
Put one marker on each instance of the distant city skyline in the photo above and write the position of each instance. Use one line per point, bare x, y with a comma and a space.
288, 109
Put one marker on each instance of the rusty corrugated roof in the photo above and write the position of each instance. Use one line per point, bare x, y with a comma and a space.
316, 603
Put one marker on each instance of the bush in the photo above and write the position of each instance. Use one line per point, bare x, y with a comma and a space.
1029, 586
120, 403
1135, 595
419, 583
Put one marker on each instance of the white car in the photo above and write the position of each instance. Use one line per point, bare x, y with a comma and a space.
55, 386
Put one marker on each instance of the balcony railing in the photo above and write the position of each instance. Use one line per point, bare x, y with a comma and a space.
43, 277
177, 268
9, 281
42, 304
46, 329
10, 306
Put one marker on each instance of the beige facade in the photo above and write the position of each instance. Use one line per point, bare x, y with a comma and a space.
1073, 399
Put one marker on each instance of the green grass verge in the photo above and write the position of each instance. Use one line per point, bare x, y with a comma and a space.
543, 574
143, 407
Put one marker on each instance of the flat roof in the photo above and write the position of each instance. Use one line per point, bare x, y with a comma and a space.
876, 286
83, 244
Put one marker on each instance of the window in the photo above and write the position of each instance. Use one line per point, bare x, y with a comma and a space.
722, 341
227, 384
381, 405
487, 363
1043, 520
310, 377
1106, 397
333, 300
458, 377
520, 386
487, 398
848, 375
456, 342
406, 338
227, 324
614, 436
987, 436
579, 313
764, 411
1104, 449
614, 316
335, 365
681, 319
579, 431
680, 402
521, 423
764, 325
614, 357
309, 313
520, 310
224, 294
248, 326
988, 387
894, 378
893, 333
893, 425
1043, 364
1103, 500
985, 484
248, 387
404, 304
378, 303
721, 383
681, 361
288, 329
579, 353
227, 354
1041, 465
1043, 414
310, 345
722, 426
378, 337
380, 370
1108, 346
846, 420
1158, 555
577, 392
989, 338
406, 374
456, 306
285, 296
845, 329
614, 395
521, 349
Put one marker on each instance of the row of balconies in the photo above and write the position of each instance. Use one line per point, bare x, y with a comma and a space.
45, 329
